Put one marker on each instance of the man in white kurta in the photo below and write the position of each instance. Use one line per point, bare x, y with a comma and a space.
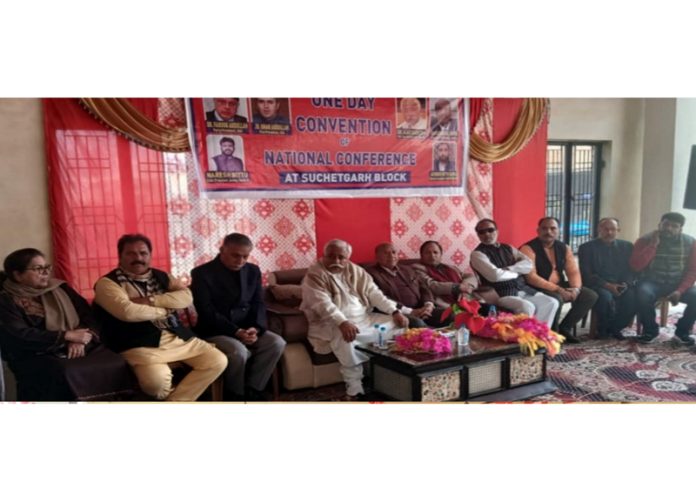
338, 298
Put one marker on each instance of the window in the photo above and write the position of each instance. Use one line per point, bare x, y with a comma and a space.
572, 189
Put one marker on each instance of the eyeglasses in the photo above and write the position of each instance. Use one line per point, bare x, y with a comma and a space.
42, 270
488, 230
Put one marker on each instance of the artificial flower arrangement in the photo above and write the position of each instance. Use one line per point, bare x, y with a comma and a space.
422, 340
530, 333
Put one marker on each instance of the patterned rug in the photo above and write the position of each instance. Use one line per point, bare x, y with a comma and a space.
599, 371
625, 371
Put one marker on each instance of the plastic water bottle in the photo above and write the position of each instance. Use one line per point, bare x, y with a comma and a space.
378, 336
492, 311
462, 336
382, 337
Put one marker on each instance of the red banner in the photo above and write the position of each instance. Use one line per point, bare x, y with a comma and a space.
330, 147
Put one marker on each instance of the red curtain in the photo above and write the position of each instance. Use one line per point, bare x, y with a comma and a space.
100, 187
519, 183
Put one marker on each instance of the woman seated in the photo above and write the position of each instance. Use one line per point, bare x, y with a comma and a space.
49, 337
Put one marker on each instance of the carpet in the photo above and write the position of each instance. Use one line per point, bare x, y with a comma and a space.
625, 371
599, 371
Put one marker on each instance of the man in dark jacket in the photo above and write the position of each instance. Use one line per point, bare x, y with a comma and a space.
605, 269
401, 284
231, 314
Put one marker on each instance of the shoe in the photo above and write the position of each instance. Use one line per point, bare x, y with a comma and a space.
602, 336
647, 338
569, 337
684, 339
355, 398
253, 395
618, 336
231, 397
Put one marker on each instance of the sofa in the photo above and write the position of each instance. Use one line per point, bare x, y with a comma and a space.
300, 366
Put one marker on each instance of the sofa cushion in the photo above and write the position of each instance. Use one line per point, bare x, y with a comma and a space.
287, 294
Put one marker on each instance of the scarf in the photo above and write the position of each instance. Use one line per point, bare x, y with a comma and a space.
443, 273
146, 285
58, 310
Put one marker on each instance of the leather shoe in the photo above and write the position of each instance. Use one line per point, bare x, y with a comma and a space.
355, 398
570, 338
254, 395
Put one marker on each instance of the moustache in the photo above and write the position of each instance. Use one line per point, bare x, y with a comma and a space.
339, 267
138, 263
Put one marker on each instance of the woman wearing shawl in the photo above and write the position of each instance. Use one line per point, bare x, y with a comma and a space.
50, 339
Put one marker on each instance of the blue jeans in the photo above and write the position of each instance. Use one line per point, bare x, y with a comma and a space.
647, 293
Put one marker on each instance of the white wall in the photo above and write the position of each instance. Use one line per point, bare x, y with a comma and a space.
658, 160
24, 214
620, 122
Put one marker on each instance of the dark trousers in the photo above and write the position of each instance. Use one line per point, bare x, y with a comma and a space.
433, 321
647, 293
613, 313
581, 306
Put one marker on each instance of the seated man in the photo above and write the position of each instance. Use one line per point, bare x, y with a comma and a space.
666, 259
555, 273
502, 267
605, 269
337, 298
137, 305
446, 283
231, 314
401, 284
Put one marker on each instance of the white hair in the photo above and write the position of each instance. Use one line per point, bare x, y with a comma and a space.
339, 243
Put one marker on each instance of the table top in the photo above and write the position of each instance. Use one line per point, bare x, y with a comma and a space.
478, 348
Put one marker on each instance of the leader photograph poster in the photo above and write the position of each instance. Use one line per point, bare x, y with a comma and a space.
330, 147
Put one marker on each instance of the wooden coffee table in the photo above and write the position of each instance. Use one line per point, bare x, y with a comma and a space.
485, 370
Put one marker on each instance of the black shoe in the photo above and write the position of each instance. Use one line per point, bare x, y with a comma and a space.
254, 395
647, 338
231, 397
355, 398
569, 337
684, 339
617, 335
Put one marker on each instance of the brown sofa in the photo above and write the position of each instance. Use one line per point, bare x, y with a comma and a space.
300, 366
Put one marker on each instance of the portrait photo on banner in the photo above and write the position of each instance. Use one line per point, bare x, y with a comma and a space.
329, 147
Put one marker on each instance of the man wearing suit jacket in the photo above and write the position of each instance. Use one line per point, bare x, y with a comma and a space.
232, 315
225, 111
401, 284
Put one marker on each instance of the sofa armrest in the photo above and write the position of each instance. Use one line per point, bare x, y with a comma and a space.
288, 322
282, 310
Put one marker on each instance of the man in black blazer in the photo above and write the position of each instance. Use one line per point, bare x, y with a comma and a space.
231, 314
225, 111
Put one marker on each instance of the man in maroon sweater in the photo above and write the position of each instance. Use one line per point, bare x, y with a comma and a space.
666, 260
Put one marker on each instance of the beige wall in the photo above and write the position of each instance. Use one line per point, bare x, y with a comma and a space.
620, 123
685, 137
24, 215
